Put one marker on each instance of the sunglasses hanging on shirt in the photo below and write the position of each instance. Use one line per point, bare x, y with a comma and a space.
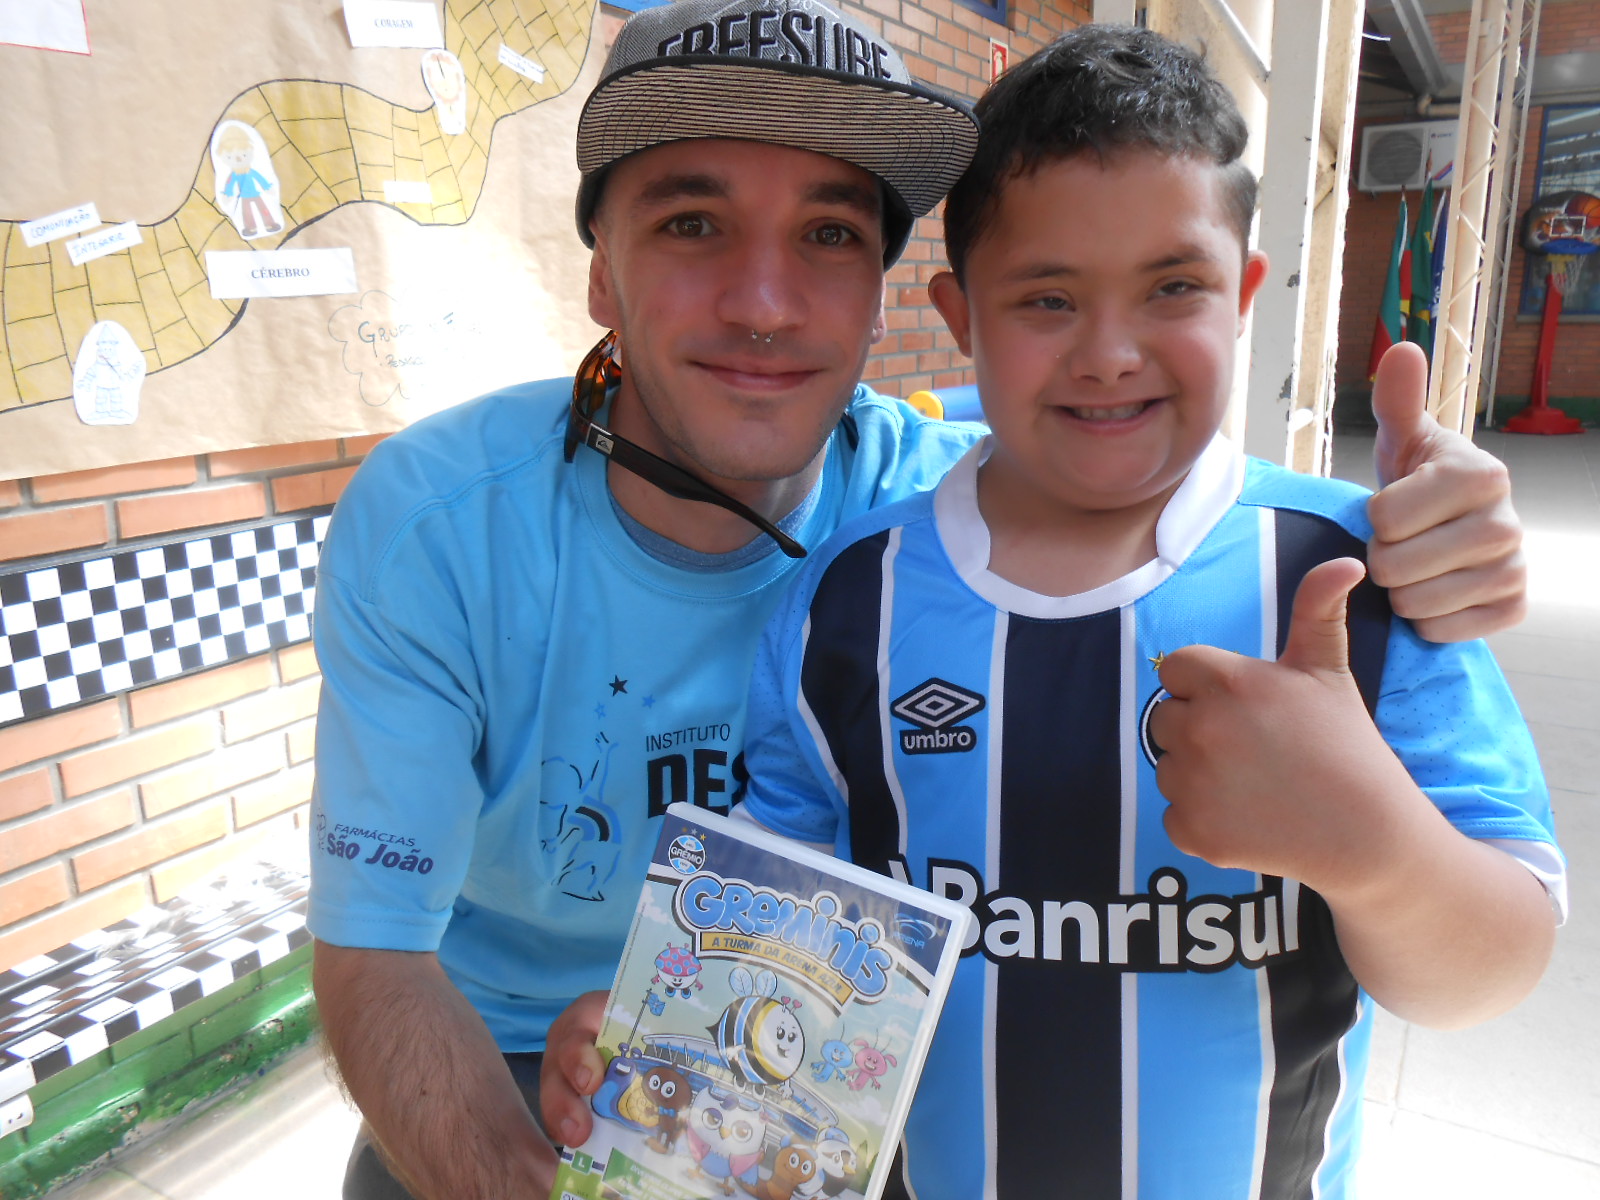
596, 376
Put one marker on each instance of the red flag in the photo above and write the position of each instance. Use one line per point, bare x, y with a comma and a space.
1396, 303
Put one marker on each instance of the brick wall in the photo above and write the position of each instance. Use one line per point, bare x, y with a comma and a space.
121, 802
1565, 27
124, 801
949, 46
1570, 27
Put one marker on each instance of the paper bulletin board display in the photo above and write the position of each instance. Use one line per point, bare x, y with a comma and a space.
237, 224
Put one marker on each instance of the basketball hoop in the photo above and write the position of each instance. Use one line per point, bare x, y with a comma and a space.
1564, 272
1564, 229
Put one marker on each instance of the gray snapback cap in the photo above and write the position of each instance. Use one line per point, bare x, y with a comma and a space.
791, 72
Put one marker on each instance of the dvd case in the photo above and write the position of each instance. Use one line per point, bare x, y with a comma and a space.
767, 1025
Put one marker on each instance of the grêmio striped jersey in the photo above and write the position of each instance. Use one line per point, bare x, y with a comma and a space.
1130, 1021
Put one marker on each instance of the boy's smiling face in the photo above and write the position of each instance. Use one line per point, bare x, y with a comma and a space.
1101, 308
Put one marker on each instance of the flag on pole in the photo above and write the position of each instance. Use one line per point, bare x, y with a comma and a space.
1420, 320
1441, 229
1391, 326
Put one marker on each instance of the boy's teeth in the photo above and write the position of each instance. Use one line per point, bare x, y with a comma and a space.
1121, 412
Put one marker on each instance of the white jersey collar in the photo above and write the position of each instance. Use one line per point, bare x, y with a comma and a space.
1205, 495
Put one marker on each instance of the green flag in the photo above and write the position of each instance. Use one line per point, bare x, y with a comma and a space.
1421, 320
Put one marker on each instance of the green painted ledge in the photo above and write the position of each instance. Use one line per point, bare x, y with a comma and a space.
84, 1114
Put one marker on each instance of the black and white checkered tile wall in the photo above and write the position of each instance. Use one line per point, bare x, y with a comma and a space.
63, 1008
97, 626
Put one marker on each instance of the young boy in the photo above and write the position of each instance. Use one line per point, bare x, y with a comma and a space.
1187, 904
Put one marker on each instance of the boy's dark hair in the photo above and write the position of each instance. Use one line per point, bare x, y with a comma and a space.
1098, 89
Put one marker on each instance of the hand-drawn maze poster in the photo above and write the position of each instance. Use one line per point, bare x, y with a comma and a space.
238, 224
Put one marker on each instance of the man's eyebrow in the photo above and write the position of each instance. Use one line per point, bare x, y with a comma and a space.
669, 188
865, 200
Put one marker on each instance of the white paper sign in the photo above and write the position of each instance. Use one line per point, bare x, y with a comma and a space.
45, 25
251, 274
107, 376
519, 64
393, 23
408, 191
68, 220
107, 241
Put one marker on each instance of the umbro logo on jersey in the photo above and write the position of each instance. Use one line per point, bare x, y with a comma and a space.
934, 707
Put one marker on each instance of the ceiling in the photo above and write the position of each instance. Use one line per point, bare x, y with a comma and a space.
1401, 66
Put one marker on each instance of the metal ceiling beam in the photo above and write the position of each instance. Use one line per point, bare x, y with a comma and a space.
1411, 41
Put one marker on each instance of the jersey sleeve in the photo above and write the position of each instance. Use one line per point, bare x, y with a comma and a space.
1448, 713
792, 791
399, 724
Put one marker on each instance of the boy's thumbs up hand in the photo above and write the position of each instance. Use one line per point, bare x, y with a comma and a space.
1267, 766
1408, 434
1319, 641
1446, 541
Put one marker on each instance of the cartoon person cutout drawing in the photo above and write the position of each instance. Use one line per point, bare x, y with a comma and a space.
447, 84
247, 186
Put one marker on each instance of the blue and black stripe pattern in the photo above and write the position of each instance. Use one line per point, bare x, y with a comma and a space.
1140, 1021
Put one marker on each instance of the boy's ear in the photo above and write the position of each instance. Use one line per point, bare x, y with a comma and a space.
951, 301
1254, 275
880, 323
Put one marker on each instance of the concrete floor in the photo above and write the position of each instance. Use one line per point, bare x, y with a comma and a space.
1506, 1111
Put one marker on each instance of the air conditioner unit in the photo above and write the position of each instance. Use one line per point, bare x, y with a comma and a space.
1403, 156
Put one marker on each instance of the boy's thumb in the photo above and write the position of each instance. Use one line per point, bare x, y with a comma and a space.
1318, 640
1400, 406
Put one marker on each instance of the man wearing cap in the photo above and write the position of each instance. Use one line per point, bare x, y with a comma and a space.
527, 654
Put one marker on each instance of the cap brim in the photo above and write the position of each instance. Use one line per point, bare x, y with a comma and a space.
914, 139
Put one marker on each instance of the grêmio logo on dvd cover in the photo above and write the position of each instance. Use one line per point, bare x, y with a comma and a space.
934, 707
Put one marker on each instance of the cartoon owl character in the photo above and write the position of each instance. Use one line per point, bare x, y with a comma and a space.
726, 1133
669, 1088
758, 1036
836, 1160
795, 1168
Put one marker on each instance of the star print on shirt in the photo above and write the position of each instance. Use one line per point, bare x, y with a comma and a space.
618, 684
1158, 660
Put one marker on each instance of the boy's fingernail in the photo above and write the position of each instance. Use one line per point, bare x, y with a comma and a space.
583, 1077
569, 1132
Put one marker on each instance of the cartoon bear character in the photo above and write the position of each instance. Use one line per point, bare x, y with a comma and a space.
670, 1089
795, 1168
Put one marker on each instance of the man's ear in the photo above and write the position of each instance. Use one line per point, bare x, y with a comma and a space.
1255, 274
951, 301
880, 323
604, 310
